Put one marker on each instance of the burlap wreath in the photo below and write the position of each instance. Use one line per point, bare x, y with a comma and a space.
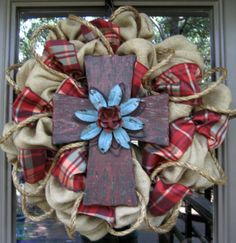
196, 168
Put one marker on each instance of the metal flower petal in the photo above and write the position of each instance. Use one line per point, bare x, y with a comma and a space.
87, 115
122, 137
129, 106
105, 141
132, 123
97, 99
115, 96
91, 131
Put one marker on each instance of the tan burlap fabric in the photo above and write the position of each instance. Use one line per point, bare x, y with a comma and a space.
62, 200
197, 154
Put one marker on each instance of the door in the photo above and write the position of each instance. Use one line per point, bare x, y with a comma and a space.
223, 36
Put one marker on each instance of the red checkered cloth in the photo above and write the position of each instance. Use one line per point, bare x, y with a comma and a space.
163, 197
139, 71
70, 169
110, 30
28, 104
103, 212
209, 124
61, 55
180, 80
35, 163
71, 88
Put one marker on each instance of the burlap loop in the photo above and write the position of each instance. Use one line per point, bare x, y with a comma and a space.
185, 52
43, 82
143, 49
197, 154
132, 24
38, 136
62, 200
177, 111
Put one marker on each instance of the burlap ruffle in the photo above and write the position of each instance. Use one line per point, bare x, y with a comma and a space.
197, 154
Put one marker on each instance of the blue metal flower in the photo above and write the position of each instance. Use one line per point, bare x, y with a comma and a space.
110, 119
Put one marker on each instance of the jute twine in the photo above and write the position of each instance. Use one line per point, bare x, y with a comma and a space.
204, 173
127, 9
45, 215
147, 78
138, 222
23, 124
10, 80
72, 227
38, 58
169, 222
147, 84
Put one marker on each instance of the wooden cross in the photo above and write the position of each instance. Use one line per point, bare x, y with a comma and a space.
110, 179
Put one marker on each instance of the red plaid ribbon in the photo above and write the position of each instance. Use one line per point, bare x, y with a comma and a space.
61, 55
209, 124
103, 212
70, 169
35, 163
139, 71
110, 30
180, 80
163, 197
29, 103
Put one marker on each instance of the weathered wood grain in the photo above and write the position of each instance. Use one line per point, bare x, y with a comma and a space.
110, 179
66, 128
154, 112
104, 72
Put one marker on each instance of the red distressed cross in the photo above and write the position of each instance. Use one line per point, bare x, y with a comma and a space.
110, 179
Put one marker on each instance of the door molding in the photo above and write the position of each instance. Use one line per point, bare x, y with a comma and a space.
224, 50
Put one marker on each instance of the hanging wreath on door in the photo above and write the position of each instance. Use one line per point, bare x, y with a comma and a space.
111, 130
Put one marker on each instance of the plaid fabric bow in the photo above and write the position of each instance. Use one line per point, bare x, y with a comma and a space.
35, 163
28, 103
209, 124
61, 55
163, 197
102, 212
112, 33
110, 30
180, 80
70, 169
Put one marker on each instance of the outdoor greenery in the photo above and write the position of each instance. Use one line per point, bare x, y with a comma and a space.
196, 29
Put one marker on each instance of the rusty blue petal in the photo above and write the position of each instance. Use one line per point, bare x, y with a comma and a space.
132, 123
104, 141
91, 131
129, 106
87, 115
115, 96
97, 99
122, 137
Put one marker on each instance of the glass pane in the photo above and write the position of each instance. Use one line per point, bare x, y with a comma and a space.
197, 30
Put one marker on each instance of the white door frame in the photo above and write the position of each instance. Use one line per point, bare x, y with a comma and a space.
224, 12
